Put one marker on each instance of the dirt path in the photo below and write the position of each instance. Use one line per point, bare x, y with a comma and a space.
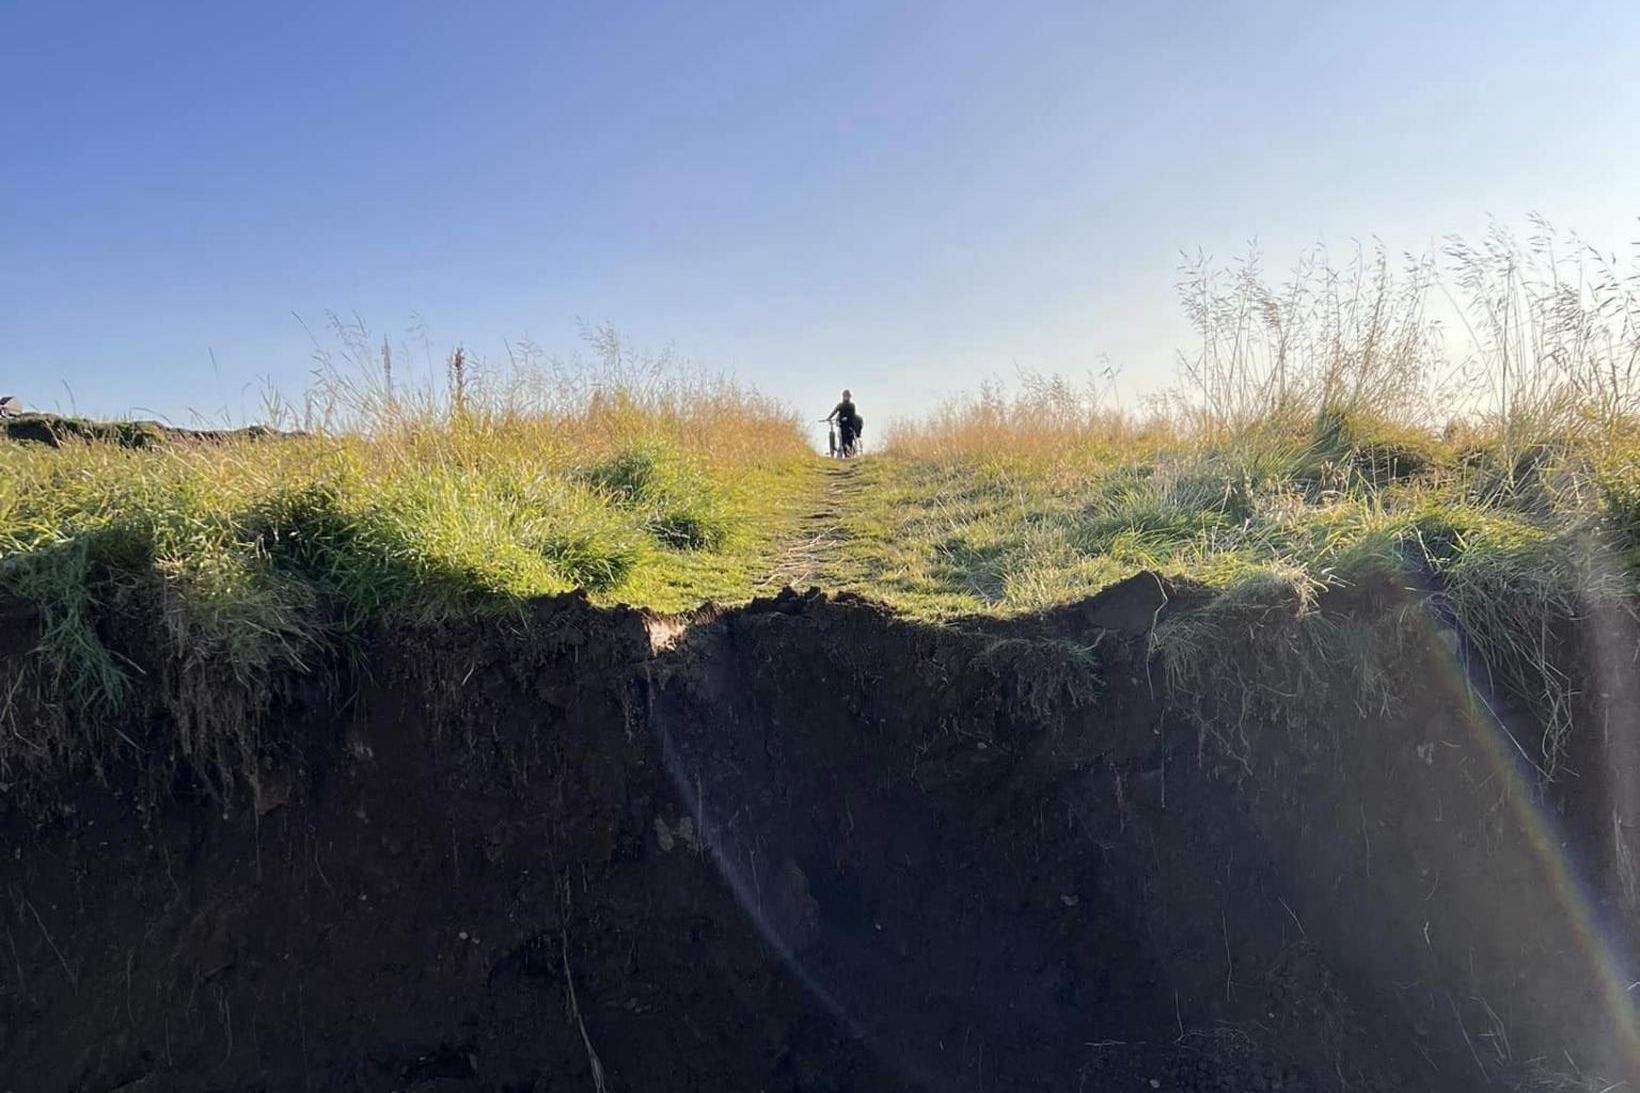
818, 541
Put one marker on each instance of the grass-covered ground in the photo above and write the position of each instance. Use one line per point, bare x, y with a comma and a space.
1518, 549
940, 535
1321, 436
256, 555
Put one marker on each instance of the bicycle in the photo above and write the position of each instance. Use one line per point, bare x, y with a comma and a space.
835, 450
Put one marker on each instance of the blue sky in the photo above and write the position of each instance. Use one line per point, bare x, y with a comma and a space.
901, 198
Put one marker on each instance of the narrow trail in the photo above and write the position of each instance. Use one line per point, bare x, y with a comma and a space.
817, 542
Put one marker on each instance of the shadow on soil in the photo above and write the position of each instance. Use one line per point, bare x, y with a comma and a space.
806, 846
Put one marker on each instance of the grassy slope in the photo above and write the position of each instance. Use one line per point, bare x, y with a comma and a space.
253, 555
262, 553
1521, 549
1297, 456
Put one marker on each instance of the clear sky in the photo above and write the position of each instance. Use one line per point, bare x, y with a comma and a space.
901, 198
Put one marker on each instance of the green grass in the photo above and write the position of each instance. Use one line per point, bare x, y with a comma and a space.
251, 560
1279, 529
1298, 459
245, 562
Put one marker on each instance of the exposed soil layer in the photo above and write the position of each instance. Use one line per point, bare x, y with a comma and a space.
806, 846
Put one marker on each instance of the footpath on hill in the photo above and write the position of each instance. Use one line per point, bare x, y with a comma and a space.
932, 542
816, 549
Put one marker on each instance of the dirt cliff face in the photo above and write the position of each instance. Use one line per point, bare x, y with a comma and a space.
806, 846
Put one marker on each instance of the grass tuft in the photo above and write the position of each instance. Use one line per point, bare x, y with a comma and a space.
669, 493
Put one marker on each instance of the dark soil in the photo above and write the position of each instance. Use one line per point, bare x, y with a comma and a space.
807, 846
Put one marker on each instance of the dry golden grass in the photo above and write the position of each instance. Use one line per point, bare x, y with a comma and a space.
1045, 422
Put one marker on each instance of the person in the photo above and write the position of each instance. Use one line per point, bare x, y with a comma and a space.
848, 423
